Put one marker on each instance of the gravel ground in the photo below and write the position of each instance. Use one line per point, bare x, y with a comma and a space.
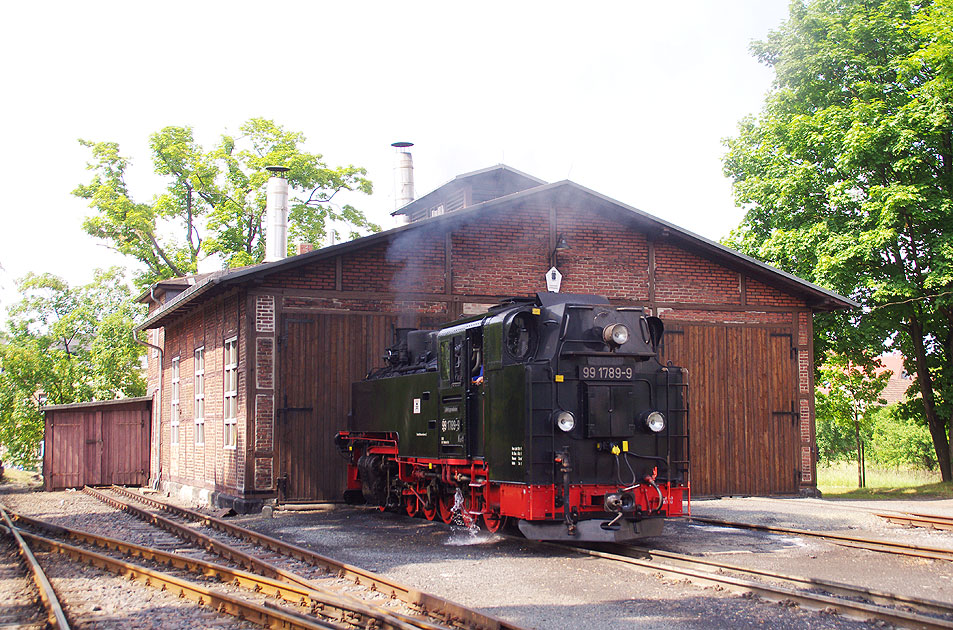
550, 588
811, 557
93, 598
535, 587
21, 607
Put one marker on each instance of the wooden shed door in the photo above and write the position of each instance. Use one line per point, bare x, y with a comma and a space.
742, 393
93, 461
320, 356
68, 450
123, 439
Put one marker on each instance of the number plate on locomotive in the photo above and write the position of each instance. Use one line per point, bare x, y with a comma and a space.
605, 372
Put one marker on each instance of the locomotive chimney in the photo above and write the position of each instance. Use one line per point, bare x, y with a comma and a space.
276, 213
403, 178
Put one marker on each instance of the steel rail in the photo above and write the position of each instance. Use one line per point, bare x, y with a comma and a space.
222, 602
871, 544
815, 601
447, 611
835, 588
934, 521
54, 611
345, 608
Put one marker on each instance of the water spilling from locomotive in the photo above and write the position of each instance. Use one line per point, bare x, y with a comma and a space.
553, 413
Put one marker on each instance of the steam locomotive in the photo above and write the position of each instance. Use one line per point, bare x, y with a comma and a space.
553, 413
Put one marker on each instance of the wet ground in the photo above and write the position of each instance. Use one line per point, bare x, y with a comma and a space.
552, 588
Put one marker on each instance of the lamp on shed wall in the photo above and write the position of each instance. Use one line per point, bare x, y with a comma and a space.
561, 245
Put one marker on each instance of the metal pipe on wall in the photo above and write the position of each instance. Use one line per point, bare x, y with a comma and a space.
155, 437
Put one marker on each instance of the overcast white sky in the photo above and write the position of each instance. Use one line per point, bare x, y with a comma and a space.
630, 98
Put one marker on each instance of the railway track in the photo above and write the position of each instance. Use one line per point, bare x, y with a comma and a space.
295, 567
55, 617
858, 542
811, 593
932, 521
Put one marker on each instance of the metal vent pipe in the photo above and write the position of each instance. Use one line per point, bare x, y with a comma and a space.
403, 177
276, 215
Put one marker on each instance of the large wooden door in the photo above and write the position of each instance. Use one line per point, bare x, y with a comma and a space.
320, 356
741, 398
93, 459
124, 452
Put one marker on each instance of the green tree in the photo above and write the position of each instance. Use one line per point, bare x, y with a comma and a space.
214, 200
900, 437
64, 345
847, 395
847, 180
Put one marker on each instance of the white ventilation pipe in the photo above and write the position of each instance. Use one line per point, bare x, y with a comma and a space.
276, 215
403, 178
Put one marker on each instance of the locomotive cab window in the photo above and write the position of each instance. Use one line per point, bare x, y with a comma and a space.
519, 336
451, 360
476, 356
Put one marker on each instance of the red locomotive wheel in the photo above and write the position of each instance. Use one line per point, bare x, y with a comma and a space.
446, 508
430, 513
493, 521
411, 505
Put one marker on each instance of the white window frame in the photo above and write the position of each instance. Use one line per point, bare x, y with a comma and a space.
199, 366
174, 404
230, 395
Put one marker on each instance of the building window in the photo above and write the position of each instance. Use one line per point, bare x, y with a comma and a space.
175, 401
200, 397
436, 212
231, 392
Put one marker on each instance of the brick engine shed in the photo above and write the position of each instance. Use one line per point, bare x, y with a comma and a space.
251, 367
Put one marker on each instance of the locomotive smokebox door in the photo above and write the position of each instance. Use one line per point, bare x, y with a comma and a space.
610, 410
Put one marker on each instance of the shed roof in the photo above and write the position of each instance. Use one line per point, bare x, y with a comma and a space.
507, 176
99, 403
816, 297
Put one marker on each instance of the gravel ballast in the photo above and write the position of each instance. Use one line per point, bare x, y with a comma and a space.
545, 587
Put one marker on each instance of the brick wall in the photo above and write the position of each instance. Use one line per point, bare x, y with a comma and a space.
412, 262
316, 276
760, 293
603, 258
506, 253
503, 253
681, 276
209, 466
726, 317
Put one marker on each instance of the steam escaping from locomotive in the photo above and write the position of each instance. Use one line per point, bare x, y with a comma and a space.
552, 413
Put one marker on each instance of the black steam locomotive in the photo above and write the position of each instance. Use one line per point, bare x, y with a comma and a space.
553, 411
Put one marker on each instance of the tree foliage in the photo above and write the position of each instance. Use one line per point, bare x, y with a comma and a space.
847, 395
64, 344
900, 438
214, 199
847, 180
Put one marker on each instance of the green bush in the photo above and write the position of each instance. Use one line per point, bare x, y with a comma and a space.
900, 439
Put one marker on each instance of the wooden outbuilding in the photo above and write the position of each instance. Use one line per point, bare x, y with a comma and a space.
97, 443
251, 367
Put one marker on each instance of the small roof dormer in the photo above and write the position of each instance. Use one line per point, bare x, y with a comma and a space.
467, 190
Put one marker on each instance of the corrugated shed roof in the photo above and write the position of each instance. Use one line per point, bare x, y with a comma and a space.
98, 403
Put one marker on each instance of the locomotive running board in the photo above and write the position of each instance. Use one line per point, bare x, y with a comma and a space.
592, 530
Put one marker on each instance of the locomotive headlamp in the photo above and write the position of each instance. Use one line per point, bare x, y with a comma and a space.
565, 421
615, 334
654, 421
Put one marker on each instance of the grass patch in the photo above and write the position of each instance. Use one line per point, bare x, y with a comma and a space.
839, 481
15, 477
